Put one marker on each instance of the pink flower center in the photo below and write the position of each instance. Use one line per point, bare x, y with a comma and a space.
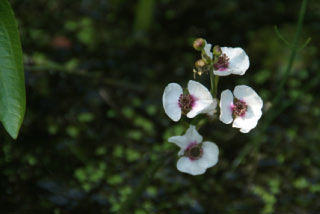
239, 108
194, 151
186, 101
222, 63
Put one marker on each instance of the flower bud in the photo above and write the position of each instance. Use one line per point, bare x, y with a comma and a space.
200, 63
217, 50
199, 44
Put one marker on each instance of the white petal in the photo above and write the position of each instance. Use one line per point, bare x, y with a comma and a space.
192, 135
244, 125
180, 141
210, 155
202, 96
222, 73
186, 165
207, 49
199, 91
211, 109
200, 106
226, 103
247, 122
170, 100
248, 95
238, 60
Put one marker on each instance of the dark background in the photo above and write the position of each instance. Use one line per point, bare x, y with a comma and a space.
95, 72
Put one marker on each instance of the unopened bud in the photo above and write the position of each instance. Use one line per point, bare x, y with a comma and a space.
200, 63
199, 44
217, 50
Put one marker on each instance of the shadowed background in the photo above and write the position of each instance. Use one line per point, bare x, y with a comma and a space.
95, 72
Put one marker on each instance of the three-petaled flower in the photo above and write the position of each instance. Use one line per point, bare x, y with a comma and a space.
197, 99
243, 107
231, 61
196, 156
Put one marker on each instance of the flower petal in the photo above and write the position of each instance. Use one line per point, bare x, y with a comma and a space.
238, 60
180, 141
247, 122
199, 91
192, 135
211, 109
207, 49
202, 96
226, 72
170, 100
210, 155
186, 165
248, 95
226, 103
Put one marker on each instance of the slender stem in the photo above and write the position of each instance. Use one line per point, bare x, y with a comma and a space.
293, 52
212, 83
216, 81
257, 140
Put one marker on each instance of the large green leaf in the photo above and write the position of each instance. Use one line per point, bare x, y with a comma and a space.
12, 91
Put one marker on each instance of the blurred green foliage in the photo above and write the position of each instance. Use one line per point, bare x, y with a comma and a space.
144, 14
95, 74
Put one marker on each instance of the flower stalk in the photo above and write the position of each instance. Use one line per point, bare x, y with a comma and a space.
293, 53
216, 81
212, 84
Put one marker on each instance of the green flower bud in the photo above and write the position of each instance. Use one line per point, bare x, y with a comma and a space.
199, 44
217, 50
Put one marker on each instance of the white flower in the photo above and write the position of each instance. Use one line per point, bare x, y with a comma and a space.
243, 107
196, 156
231, 61
197, 100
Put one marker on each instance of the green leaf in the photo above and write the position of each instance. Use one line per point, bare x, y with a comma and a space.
12, 91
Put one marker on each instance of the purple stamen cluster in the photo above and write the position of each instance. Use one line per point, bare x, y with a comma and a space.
186, 102
239, 108
194, 151
222, 63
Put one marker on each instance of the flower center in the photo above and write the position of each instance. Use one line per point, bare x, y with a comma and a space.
194, 151
186, 102
222, 63
239, 108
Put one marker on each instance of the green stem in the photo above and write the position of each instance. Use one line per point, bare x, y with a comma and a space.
216, 81
212, 83
293, 53
257, 140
